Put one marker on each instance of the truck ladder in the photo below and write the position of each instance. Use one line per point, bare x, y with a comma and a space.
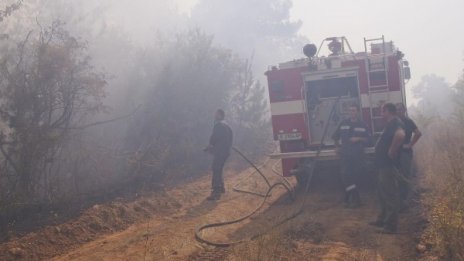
377, 77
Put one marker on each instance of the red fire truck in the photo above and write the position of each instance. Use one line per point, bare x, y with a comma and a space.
309, 97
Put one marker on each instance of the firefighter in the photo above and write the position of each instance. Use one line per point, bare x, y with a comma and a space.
353, 134
413, 134
387, 151
220, 144
335, 47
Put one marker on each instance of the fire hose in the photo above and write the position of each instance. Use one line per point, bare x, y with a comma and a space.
218, 224
287, 184
310, 169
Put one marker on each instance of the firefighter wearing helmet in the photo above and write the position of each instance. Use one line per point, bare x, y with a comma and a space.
353, 134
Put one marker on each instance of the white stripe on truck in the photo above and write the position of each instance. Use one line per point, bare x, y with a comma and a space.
375, 100
379, 98
287, 107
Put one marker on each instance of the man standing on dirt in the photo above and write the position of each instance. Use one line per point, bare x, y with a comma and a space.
387, 152
354, 135
413, 134
220, 144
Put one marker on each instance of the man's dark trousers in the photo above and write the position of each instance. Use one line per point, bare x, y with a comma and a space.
405, 169
351, 166
217, 168
389, 197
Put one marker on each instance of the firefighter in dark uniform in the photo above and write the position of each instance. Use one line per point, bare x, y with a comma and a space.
387, 152
413, 134
353, 134
220, 144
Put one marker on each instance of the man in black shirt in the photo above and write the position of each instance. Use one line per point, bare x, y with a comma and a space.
353, 134
387, 151
413, 134
220, 144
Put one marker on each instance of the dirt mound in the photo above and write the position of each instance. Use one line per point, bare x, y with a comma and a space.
98, 220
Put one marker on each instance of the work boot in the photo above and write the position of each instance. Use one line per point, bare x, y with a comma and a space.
347, 199
352, 199
214, 196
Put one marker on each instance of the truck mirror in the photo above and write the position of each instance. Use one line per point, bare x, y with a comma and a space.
407, 73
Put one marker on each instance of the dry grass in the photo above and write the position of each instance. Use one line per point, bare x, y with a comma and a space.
440, 159
272, 246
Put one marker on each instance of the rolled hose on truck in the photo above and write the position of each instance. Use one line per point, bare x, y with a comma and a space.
286, 185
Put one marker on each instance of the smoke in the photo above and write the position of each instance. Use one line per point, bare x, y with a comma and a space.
162, 70
434, 96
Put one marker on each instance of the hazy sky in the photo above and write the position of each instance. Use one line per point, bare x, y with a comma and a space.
429, 32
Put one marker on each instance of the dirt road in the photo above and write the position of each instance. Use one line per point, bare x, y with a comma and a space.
161, 227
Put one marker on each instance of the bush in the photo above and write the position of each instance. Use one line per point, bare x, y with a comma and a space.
440, 158
48, 88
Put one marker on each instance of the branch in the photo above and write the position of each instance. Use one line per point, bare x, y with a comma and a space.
9, 10
105, 122
8, 158
21, 49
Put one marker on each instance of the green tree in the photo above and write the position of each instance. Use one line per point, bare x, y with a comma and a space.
183, 81
249, 115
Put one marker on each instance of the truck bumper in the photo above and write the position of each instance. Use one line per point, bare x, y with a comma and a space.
329, 154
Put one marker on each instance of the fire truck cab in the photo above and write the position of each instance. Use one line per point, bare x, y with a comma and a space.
309, 97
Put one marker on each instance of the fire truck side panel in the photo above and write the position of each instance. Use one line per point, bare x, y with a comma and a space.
288, 165
287, 107
290, 127
285, 84
287, 110
291, 146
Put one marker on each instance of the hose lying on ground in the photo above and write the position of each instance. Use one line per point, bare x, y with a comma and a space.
310, 169
257, 170
265, 196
